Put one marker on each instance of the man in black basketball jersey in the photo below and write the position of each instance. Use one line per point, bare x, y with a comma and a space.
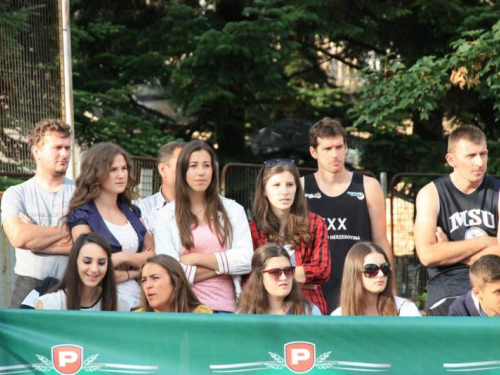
457, 219
351, 204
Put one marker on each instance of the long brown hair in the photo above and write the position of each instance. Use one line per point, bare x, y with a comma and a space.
94, 172
254, 298
183, 215
298, 221
72, 284
183, 298
352, 291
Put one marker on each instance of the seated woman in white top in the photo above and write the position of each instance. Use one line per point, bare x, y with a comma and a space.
366, 285
89, 282
271, 287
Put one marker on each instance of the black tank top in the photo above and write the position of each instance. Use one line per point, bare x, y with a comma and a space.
461, 216
347, 219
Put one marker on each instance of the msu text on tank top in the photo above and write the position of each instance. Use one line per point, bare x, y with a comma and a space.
347, 220
461, 217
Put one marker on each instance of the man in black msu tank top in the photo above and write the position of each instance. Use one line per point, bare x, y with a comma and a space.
457, 219
351, 204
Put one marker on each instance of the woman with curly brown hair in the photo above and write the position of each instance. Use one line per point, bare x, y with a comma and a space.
271, 287
366, 285
102, 203
280, 215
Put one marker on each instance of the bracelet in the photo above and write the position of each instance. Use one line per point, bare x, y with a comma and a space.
128, 276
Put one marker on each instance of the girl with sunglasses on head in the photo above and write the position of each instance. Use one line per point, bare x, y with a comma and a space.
165, 288
89, 282
271, 287
208, 234
366, 285
102, 203
280, 215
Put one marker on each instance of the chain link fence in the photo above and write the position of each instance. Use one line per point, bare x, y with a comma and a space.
31, 77
147, 176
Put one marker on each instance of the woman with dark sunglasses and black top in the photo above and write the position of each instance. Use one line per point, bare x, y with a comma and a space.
271, 287
280, 215
366, 285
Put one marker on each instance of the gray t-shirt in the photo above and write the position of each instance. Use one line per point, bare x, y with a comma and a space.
44, 209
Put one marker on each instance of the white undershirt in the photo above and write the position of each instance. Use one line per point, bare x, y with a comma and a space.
129, 240
291, 252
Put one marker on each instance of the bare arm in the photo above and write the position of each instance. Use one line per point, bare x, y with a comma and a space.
39, 305
201, 260
495, 250
203, 274
300, 274
78, 230
134, 260
149, 241
376, 209
23, 234
429, 250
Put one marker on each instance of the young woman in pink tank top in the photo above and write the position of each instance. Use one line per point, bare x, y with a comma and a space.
207, 233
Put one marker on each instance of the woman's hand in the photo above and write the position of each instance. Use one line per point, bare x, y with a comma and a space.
120, 258
149, 242
189, 259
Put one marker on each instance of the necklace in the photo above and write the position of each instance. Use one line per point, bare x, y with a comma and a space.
199, 212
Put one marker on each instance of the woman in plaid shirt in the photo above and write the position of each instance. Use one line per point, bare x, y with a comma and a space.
280, 215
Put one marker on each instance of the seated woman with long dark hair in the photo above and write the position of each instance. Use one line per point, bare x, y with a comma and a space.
89, 282
280, 215
165, 287
366, 285
102, 203
271, 287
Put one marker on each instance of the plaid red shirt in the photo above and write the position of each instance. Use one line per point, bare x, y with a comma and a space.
313, 256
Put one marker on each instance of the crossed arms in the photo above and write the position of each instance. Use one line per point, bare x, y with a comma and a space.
432, 245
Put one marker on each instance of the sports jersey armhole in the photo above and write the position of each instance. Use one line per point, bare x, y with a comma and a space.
438, 202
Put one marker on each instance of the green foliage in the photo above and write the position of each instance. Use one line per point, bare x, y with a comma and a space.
459, 87
230, 68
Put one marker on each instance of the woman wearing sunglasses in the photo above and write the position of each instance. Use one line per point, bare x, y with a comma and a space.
366, 285
271, 287
208, 234
280, 216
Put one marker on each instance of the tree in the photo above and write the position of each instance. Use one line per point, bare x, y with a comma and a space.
458, 85
231, 67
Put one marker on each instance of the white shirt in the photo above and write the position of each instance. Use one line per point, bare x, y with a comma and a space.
405, 308
57, 301
127, 237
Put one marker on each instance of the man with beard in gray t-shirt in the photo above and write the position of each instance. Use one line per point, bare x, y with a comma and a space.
32, 211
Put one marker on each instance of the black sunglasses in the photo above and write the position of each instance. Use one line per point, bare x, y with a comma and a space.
371, 270
274, 162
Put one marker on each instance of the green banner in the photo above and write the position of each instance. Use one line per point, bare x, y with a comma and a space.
62, 342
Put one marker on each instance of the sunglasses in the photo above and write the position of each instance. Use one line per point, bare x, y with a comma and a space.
276, 273
274, 162
371, 270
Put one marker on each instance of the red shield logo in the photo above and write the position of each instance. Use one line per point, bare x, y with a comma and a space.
67, 359
300, 356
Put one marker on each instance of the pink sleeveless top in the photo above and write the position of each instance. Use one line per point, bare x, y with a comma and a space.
218, 292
